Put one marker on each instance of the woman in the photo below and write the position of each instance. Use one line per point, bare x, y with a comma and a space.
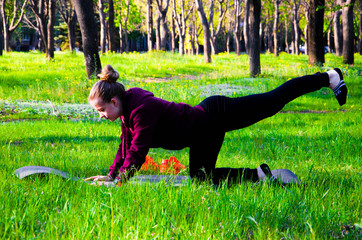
150, 122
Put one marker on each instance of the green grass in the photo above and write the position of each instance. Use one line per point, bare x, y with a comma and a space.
323, 149
30, 76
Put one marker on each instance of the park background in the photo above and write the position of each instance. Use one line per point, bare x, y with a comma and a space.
46, 121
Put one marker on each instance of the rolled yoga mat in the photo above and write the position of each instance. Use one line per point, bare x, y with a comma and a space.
283, 176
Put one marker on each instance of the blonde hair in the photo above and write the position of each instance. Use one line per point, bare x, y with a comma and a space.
107, 87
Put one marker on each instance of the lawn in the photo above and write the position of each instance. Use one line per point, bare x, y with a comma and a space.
313, 136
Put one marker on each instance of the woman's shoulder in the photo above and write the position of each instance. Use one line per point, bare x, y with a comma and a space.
139, 91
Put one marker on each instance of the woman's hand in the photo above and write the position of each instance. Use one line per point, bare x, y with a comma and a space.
100, 180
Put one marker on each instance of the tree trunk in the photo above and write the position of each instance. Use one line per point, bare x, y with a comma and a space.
348, 32
158, 31
263, 45
111, 40
173, 44
43, 33
215, 33
50, 28
237, 11
68, 15
38, 8
254, 48
315, 32
180, 20
296, 4
162, 21
306, 48
164, 32
9, 28
228, 45
206, 29
5, 27
270, 35
292, 40
275, 27
6, 37
246, 25
192, 28
37, 40
121, 43
149, 25
338, 38
329, 39
286, 36
88, 27
102, 21
71, 31
126, 45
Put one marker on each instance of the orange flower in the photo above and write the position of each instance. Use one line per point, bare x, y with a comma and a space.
149, 164
171, 165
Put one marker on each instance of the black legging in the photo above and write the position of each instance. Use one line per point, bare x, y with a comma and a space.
227, 114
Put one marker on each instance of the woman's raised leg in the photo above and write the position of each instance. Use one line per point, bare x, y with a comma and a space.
236, 113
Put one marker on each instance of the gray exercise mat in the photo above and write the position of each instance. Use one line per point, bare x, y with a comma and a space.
176, 180
283, 176
33, 170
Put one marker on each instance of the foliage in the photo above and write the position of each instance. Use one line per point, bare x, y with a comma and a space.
135, 15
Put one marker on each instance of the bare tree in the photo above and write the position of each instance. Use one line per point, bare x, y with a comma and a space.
338, 38
237, 33
228, 34
275, 26
10, 23
102, 21
286, 35
162, 23
229, 28
149, 25
348, 32
173, 33
329, 31
214, 33
126, 45
296, 6
44, 12
315, 32
181, 23
50, 29
206, 29
246, 25
88, 27
110, 27
306, 5
254, 47
39, 10
195, 31
67, 13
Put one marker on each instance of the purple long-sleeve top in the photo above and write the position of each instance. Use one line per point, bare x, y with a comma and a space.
150, 122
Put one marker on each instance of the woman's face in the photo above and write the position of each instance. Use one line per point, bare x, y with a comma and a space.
111, 111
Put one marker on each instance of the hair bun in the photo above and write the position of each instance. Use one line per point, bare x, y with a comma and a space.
108, 74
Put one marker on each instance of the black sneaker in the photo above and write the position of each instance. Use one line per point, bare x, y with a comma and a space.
340, 91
